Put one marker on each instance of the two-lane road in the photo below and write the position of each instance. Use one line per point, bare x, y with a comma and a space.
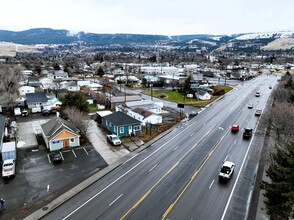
177, 177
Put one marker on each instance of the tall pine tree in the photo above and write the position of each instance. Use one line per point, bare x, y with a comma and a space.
280, 191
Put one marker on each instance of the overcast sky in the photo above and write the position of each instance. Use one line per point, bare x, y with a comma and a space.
166, 17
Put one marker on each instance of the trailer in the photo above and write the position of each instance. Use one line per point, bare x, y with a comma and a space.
8, 151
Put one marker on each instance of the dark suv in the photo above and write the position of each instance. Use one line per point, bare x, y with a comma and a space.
247, 133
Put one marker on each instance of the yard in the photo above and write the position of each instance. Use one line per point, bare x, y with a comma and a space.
177, 97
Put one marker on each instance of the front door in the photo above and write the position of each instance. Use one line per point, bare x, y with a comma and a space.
65, 143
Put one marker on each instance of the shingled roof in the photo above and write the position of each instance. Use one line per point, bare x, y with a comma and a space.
121, 119
55, 125
36, 97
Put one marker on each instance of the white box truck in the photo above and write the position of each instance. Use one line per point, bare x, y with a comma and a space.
8, 154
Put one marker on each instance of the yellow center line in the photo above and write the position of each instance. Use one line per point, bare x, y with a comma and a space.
170, 170
192, 178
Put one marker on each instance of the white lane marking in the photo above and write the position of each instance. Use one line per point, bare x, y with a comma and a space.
85, 151
74, 153
211, 184
235, 142
221, 128
152, 168
243, 162
131, 158
176, 148
115, 200
130, 170
192, 134
204, 123
226, 158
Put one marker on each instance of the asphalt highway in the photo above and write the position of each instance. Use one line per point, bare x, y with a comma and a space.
177, 177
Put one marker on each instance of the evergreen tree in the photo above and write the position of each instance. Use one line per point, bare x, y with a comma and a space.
280, 191
100, 71
75, 99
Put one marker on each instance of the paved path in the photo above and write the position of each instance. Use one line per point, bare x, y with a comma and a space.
99, 142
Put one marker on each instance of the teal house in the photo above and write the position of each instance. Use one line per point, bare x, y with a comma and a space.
121, 124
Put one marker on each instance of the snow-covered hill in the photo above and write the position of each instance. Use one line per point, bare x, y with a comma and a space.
266, 35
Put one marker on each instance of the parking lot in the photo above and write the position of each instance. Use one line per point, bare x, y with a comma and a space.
37, 178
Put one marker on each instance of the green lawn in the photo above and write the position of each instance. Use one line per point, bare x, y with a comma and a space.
177, 97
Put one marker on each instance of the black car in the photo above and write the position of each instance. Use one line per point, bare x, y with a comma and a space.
55, 157
247, 133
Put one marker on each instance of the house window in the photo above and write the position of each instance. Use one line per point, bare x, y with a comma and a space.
106, 123
72, 140
121, 130
137, 128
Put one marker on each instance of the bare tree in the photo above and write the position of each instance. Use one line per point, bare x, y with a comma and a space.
100, 98
280, 120
10, 76
78, 118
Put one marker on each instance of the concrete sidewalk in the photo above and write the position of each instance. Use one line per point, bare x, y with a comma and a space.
99, 142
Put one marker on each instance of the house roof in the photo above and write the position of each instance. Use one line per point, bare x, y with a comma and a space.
143, 112
36, 97
121, 119
201, 92
55, 125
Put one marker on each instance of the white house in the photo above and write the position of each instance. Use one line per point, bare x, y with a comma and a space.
47, 83
83, 83
148, 105
202, 95
144, 116
71, 86
95, 87
23, 90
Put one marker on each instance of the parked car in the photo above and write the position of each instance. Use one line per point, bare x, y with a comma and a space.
45, 112
257, 94
113, 139
247, 133
250, 106
258, 112
235, 128
55, 157
24, 113
226, 171
8, 168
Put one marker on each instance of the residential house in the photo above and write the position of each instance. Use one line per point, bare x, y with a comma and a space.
34, 81
36, 99
155, 107
145, 116
60, 74
72, 86
60, 134
23, 90
202, 95
95, 87
47, 83
121, 124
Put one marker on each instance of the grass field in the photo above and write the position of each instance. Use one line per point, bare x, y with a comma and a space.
173, 96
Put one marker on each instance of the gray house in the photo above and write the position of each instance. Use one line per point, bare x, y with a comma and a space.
60, 134
36, 99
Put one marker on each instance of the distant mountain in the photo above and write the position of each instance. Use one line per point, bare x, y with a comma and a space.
236, 42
